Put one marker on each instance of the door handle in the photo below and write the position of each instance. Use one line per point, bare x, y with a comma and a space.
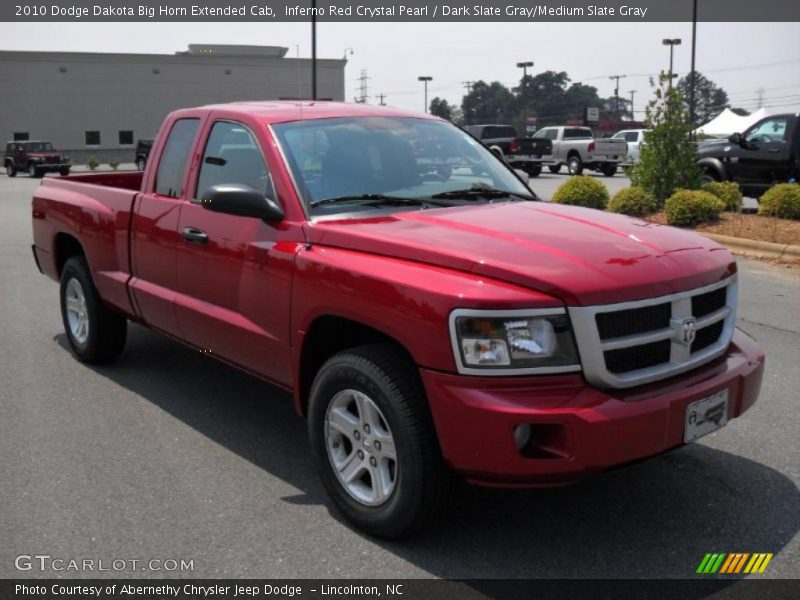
774, 150
194, 236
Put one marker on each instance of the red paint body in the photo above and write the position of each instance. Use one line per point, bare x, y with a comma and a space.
252, 294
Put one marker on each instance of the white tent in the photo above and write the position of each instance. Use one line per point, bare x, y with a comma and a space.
728, 122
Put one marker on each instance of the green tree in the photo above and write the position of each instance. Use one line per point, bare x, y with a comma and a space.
441, 108
668, 154
489, 103
740, 111
709, 98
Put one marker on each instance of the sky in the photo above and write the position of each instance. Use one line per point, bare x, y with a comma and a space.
746, 59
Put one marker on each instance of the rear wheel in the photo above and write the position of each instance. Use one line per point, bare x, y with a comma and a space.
95, 333
575, 165
11, 170
609, 170
373, 440
554, 168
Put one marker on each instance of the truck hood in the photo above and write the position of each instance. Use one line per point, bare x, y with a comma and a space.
713, 147
579, 255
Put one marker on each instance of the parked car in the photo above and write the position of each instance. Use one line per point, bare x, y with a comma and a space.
34, 158
430, 328
577, 148
143, 148
523, 153
766, 154
634, 139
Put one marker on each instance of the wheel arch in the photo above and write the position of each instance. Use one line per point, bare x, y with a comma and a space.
326, 336
65, 246
715, 166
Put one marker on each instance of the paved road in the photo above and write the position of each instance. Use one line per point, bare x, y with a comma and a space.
171, 455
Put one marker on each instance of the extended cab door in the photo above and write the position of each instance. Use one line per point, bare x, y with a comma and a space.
764, 155
235, 273
154, 228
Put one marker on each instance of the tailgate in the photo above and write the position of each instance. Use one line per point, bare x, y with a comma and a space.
532, 147
611, 147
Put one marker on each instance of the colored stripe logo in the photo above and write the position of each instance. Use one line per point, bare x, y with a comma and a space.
735, 562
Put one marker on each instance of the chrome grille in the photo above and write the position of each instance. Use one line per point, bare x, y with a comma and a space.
633, 343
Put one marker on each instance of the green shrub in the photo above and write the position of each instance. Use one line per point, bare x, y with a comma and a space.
633, 201
93, 163
727, 191
782, 200
686, 208
582, 190
114, 163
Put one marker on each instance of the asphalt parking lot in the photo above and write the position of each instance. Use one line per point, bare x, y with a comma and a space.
168, 454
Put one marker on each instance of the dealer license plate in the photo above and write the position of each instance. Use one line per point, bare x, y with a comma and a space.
706, 415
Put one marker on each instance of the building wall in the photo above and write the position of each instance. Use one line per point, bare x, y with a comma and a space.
58, 96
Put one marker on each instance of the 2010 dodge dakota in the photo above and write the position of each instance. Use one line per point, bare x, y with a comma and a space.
433, 324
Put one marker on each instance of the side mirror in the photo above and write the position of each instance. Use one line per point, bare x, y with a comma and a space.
737, 139
241, 200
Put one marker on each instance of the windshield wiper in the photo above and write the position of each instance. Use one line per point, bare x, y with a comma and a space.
377, 199
477, 192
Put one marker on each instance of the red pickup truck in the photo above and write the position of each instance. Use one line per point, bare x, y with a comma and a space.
433, 324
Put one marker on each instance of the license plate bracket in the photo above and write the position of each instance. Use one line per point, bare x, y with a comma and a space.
705, 416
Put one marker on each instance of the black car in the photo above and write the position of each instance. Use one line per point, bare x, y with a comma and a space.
143, 148
766, 154
34, 158
520, 153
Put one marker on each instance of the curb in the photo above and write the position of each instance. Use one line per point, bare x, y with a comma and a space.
755, 247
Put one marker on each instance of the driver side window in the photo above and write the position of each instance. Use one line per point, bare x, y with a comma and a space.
232, 155
769, 130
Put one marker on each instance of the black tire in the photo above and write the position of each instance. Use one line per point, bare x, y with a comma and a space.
11, 170
33, 171
107, 329
708, 176
140, 164
64, 171
609, 170
424, 486
534, 170
554, 168
575, 165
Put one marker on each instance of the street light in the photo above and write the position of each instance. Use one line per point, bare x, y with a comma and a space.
347, 51
524, 66
671, 43
425, 79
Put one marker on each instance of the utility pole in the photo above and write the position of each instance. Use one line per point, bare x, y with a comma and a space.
692, 74
425, 79
633, 115
524, 66
362, 88
380, 98
671, 42
313, 49
760, 96
468, 85
616, 94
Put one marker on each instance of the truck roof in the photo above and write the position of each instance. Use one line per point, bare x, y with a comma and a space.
277, 111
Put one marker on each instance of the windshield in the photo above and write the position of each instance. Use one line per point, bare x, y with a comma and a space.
38, 146
351, 159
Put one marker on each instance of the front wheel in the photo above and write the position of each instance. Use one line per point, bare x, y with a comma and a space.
554, 168
33, 171
11, 170
373, 440
140, 164
534, 170
95, 333
575, 165
64, 171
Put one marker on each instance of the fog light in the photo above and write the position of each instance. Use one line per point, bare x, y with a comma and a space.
522, 436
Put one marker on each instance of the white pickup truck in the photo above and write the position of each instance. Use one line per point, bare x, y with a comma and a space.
577, 148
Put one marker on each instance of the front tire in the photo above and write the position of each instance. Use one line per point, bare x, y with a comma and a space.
534, 171
554, 168
140, 164
374, 444
33, 171
11, 170
575, 165
95, 333
64, 171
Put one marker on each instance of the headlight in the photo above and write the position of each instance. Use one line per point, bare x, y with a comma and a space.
513, 342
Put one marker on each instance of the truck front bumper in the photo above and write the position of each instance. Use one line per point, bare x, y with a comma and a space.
577, 430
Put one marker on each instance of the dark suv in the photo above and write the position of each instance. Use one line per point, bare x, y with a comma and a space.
35, 158
143, 148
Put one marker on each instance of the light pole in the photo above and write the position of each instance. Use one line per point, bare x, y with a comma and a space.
671, 43
692, 75
425, 79
524, 66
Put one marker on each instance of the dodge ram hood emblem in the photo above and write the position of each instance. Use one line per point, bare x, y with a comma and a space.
687, 331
